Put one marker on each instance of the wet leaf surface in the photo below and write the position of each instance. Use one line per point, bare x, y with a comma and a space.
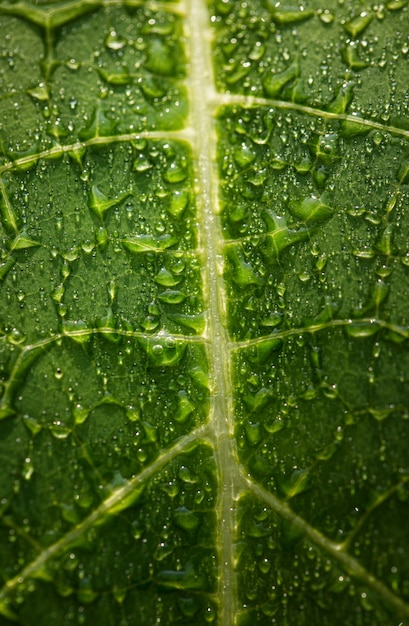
203, 313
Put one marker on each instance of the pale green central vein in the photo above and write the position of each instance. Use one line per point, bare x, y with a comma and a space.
202, 98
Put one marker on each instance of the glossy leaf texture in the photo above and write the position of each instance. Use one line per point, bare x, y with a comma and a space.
204, 287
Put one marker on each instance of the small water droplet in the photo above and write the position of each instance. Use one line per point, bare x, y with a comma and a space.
172, 296
175, 173
114, 42
178, 203
28, 468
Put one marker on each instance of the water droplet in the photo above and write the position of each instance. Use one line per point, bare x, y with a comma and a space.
242, 273
244, 155
165, 278
253, 433
189, 607
142, 455
85, 593
381, 414
40, 92
80, 414
362, 329
187, 476
384, 243
273, 83
182, 579
160, 58
296, 483
210, 615
69, 256
59, 430
149, 243
351, 57
186, 519
99, 203
159, 353
196, 323
172, 296
175, 173
178, 202
358, 24
326, 16
99, 126
310, 210
364, 253
141, 163
185, 408
291, 15
102, 237
77, 330
114, 42
22, 242
28, 468
395, 5
264, 349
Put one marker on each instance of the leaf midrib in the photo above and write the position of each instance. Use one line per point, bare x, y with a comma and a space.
203, 99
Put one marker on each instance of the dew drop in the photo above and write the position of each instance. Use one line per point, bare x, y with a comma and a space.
28, 468
141, 163
178, 203
362, 329
175, 173
186, 519
114, 42
172, 296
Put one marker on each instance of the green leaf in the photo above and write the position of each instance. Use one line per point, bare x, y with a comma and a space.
204, 327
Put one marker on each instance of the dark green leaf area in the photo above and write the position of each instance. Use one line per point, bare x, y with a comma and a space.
114, 409
134, 66
332, 57
285, 579
322, 422
123, 184
301, 211
108, 239
29, 313
129, 399
19, 70
149, 561
125, 75
142, 302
